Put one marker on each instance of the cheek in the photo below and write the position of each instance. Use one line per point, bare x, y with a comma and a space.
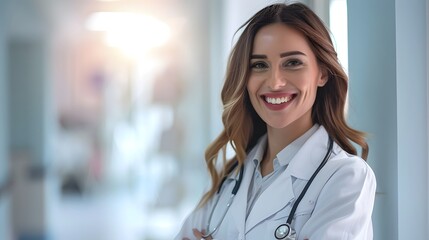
252, 87
308, 82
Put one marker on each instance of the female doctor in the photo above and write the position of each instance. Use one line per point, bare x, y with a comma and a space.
295, 173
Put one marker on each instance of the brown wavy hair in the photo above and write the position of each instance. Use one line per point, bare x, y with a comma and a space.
242, 125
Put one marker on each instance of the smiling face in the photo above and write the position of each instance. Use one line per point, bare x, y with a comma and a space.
284, 77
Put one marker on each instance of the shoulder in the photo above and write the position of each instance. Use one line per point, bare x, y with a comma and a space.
351, 168
345, 197
348, 161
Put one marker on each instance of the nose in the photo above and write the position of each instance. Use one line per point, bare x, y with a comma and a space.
277, 79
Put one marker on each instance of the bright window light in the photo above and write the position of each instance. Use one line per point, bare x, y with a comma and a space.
132, 33
338, 26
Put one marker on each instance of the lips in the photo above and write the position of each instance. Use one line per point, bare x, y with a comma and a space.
277, 101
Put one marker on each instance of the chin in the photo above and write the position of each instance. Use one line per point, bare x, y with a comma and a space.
278, 125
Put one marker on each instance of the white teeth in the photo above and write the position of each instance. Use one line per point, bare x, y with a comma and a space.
278, 100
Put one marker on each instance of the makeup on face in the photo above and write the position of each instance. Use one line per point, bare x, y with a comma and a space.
284, 76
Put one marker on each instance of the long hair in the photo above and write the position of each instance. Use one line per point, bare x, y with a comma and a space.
242, 125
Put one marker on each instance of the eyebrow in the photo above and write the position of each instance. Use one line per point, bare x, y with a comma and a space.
285, 54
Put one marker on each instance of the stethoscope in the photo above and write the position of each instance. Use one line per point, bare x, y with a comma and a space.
283, 231
231, 199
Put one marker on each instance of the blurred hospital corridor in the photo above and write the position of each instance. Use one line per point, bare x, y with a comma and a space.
107, 106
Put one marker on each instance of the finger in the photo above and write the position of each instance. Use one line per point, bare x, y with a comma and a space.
197, 233
204, 233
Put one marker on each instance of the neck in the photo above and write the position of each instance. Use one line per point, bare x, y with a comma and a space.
281, 138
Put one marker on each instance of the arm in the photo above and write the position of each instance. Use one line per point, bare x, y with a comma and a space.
344, 206
193, 221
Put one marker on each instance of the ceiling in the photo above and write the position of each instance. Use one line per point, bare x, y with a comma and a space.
38, 17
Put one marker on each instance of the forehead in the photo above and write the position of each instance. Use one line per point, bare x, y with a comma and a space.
279, 37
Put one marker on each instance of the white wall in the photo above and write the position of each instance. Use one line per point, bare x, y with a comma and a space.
388, 99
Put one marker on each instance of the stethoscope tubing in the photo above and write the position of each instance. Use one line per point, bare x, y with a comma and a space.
304, 191
237, 187
288, 223
231, 199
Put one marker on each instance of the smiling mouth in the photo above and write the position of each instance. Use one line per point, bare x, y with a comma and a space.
278, 100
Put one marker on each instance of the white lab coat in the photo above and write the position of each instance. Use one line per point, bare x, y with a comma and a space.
338, 204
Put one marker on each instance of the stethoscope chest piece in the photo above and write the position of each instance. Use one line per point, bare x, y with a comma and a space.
284, 231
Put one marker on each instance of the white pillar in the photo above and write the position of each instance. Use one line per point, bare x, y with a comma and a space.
28, 113
5, 230
411, 72
388, 99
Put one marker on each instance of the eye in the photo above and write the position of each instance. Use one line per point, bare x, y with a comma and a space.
293, 63
258, 66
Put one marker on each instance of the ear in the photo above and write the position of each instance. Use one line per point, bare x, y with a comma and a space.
323, 77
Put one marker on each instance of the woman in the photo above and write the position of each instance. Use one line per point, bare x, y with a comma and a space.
284, 99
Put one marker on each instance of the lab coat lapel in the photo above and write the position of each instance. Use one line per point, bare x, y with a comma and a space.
275, 197
280, 192
311, 154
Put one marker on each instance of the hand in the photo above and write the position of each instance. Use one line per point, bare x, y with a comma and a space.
199, 235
